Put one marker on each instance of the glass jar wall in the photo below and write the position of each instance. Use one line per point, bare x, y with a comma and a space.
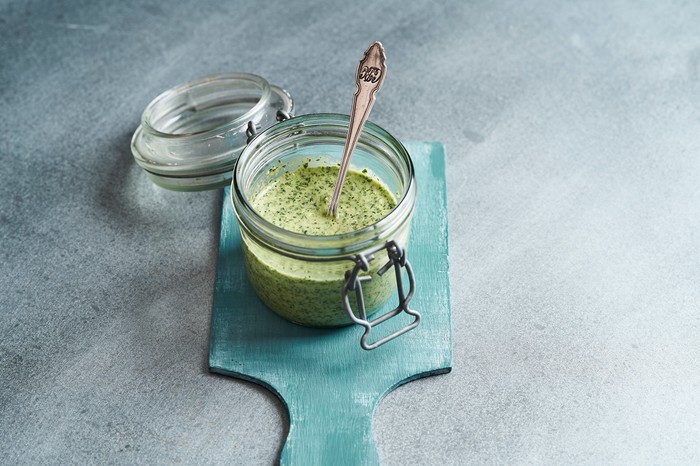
300, 276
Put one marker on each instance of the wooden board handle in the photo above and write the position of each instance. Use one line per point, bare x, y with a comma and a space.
328, 427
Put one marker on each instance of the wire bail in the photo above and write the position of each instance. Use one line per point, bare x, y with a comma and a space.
353, 282
251, 131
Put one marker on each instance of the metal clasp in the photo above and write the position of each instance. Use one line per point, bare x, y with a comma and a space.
353, 282
251, 131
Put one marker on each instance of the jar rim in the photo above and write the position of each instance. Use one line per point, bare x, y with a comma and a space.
323, 247
173, 93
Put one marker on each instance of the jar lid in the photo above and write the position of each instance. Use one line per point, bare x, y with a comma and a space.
191, 135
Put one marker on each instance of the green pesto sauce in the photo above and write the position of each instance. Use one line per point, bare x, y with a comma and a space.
309, 293
298, 201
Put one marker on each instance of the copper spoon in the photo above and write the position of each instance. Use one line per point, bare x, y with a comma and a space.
369, 78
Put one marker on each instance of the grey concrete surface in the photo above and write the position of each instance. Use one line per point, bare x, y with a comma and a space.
573, 139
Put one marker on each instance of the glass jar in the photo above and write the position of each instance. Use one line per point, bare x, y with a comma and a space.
304, 278
191, 135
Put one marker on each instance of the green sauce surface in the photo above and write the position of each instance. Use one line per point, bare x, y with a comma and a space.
298, 201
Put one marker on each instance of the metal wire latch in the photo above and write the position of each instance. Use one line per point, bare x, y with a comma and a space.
353, 282
251, 131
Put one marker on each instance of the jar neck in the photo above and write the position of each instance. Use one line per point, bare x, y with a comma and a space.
322, 248
296, 132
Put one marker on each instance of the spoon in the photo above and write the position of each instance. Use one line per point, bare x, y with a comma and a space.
369, 78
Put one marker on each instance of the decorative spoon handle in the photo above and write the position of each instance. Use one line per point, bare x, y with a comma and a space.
369, 78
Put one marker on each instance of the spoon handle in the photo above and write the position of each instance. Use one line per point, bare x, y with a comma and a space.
369, 78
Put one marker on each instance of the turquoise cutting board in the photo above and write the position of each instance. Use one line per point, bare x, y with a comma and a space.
329, 384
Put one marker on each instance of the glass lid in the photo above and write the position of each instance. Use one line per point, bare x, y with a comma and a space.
191, 135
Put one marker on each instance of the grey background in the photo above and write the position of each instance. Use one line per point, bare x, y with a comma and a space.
573, 137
